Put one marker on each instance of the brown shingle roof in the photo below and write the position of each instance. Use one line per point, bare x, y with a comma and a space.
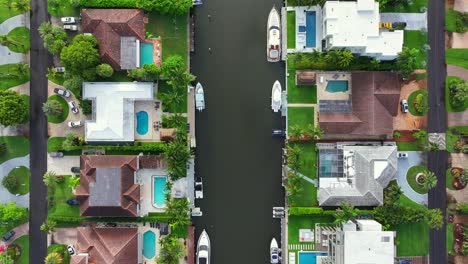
78, 259
375, 97
107, 186
109, 25
108, 245
152, 162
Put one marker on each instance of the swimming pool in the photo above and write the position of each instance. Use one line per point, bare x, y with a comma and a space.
309, 257
146, 53
149, 244
159, 191
337, 86
311, 29
142, 123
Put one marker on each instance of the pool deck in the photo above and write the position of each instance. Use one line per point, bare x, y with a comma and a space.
301, 21
144, 178
322, 94
154, 115
141, 231
157, 50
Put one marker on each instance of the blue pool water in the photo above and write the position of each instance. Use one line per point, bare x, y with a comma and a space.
149, 244
302, 29
159, 191
337, 86
306, 257
146, 53
311, 28
142, 123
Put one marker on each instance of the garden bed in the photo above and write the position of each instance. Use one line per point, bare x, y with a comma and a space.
453, 137
452, 178
23, 243
64, 115
411, 178
448, 104
412, 99
61, 250
22, 175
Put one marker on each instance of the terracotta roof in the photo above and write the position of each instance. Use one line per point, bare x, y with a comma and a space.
78, 259
108, 26
107, 186
152, 162
375, 101
108, 245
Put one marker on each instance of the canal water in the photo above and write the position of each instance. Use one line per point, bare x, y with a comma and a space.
238, 159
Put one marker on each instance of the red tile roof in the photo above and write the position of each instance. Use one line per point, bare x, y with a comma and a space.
375, 101
108, 25
108, 245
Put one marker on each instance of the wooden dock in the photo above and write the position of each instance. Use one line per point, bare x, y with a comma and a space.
191, 245
192, 33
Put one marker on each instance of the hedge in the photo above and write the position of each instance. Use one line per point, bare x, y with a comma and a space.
160, 217
109, 3
319, 211
55, 145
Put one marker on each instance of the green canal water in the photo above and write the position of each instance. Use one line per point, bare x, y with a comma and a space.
238, 159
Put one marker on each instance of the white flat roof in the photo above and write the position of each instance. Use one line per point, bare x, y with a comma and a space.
113, 109
370, 247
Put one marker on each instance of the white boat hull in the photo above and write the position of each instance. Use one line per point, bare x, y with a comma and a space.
199, 97
274, 251
273, 36
203, 249
276, 97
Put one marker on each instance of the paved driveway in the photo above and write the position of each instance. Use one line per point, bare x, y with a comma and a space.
414, 158
13, 22
5, 168
63, 165
7, 56
414, 21
66, 236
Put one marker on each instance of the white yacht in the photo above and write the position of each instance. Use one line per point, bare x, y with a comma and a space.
276, 97
273, 36
274, 251
203, 249
199, 97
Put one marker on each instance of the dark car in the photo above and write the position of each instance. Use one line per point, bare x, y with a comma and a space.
111, 224
73, 107
56, 154
75, 170
8, 235
62, 92
278, 133
73, 202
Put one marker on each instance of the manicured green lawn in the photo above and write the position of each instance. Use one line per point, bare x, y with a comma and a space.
9, 76
21, 36
415, 7
301, 116
164, 88
412, 97
416, 39
172, 30
23, 242
448, 105
22, 175
450, 20
300, 94
64, 8
408, 146
297, 222
16, 147
63, 117
457, 57
449, 239
306, 198
60, 195
60, 249
449, 180
5, 12
411, 178
451, 138
291, 30
57, 78
308, 159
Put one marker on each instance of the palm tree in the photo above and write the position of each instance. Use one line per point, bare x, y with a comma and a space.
296, 131
333, 57
45, 29
5, 258
345, 213
432, 146
6, 41
393, 194
8, 4
53, 258
171, 250
294, 184
52, 108
176, 120
314, 132
431, 180
49, 178
22, 70
21, 5
346, 57
294, 154
173, 98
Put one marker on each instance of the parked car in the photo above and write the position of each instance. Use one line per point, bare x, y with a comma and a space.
73, 202
71, 249
62, 92
387, 25
398, 25
59, 69
404, 106
73, 107
75, 124
278, 133
56, 154
68, 20
111, 224
75, 170
8, 235
402, 155
71, 27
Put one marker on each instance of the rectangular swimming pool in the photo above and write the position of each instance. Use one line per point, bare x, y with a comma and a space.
159, 191
309, 257
311, 29
337, 86
146, 53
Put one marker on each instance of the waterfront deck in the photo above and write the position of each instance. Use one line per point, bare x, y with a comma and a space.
190, 242
191, 116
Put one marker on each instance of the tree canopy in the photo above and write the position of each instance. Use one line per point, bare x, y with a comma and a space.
10, 212
54, 37
81, 57
172, 7
407, 62
104, 70
13, 108
171, 250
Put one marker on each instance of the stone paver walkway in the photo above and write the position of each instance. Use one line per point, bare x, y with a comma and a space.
5, 168
414, 21
313, 181
19, 232
414, 158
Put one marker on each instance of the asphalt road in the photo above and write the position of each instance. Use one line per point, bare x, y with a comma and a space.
437, 122
40, 59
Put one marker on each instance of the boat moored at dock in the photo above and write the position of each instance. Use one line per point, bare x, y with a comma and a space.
274, 251
199, 97
276, 97
203, 249
274, 36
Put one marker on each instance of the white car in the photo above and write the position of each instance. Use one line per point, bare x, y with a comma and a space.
404, 106
70, 27
73, 107
62, 92
402, 155
68, 20
71, 249
75, 124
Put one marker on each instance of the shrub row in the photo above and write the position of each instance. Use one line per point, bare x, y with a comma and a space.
56, 144
67, 220
109, 3
318, 211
